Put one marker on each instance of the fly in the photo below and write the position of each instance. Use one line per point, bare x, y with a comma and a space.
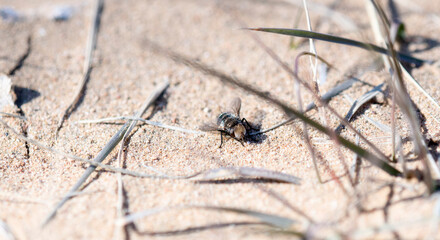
229, 124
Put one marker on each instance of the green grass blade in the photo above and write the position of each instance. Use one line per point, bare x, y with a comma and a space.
340, 40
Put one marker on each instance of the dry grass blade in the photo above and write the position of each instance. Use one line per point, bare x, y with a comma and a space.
376, 29
375, 160
19, 64
121, 210
226, 172
90, 47
340, 40
305, 53
107, 149
157, 124
266, 174
270, 219
360, 102
120, 232
313, 64
314, 68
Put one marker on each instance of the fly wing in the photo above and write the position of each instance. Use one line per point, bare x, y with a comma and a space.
209, 127
236, 106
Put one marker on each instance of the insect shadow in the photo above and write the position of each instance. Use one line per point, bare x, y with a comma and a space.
160, 104
231, 126
24, 95
256, 123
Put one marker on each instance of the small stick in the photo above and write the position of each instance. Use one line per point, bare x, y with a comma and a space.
87, 68
107, 149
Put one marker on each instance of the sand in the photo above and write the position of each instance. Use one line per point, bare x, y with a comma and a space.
126, 71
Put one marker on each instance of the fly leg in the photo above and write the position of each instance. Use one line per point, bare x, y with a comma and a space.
228, 137
221, 139
238, 140
247, 123
241, 141
222, 132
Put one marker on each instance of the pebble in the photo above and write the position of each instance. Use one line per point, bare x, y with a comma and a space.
8, 14
62, 13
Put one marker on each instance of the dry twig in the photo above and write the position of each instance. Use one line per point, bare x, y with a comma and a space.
87, 68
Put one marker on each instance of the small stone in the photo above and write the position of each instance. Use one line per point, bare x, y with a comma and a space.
6, 95
8, 14
380, 98
62, 13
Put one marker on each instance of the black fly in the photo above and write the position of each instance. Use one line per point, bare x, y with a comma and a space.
230, 124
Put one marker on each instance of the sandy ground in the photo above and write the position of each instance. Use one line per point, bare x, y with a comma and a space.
124, 74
